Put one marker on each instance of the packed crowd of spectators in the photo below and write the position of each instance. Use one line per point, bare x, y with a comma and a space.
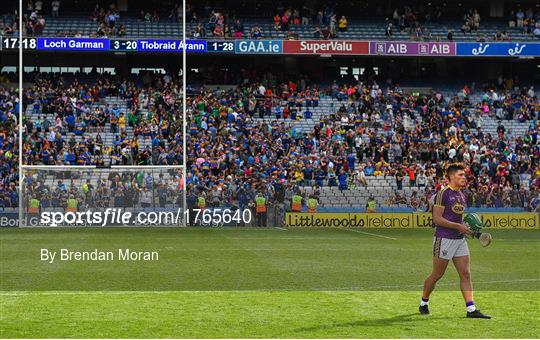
234, 155
9, 148
70, 120
373, 133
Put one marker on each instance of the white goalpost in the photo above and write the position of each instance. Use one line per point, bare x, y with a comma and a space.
53, 185
20, 113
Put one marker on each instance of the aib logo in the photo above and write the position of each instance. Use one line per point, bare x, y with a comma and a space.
391, 48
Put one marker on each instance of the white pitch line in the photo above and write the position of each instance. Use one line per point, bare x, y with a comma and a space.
281, 228
474, 282
273, 238
377, 235
127, 292
90, 292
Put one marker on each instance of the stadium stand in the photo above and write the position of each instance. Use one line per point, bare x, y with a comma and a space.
9, 147
358, 140
342, 143
83, 26
365, 29
428, 22
403, 23
103, 121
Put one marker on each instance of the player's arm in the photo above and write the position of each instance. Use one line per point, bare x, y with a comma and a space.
439, 220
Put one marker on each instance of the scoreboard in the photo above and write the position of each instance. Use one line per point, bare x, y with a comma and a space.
103, 45
278, 47
146, 45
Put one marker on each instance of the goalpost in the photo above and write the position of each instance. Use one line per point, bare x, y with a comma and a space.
36, 182
102, 196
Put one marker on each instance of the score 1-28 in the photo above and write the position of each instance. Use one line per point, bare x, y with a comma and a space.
221, 46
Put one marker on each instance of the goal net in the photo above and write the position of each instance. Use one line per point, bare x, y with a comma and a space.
61, 196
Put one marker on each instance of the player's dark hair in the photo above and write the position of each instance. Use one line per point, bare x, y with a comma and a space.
453, 168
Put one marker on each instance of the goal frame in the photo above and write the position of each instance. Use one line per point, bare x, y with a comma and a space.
24, 169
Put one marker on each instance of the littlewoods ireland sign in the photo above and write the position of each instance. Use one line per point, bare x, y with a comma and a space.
404, 220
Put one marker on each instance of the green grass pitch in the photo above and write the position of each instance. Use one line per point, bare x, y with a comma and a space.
261, 283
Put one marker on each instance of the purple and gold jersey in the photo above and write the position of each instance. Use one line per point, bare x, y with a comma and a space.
454, 203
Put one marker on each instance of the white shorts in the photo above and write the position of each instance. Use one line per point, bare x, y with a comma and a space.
447, 248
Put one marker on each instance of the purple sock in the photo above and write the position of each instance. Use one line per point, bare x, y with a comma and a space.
425, 300
469, 303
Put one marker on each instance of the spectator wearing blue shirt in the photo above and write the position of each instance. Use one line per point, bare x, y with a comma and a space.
342, 179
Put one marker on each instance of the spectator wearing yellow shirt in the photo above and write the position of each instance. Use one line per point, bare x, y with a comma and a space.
380, 168
122, 122
298, 175
342, 24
